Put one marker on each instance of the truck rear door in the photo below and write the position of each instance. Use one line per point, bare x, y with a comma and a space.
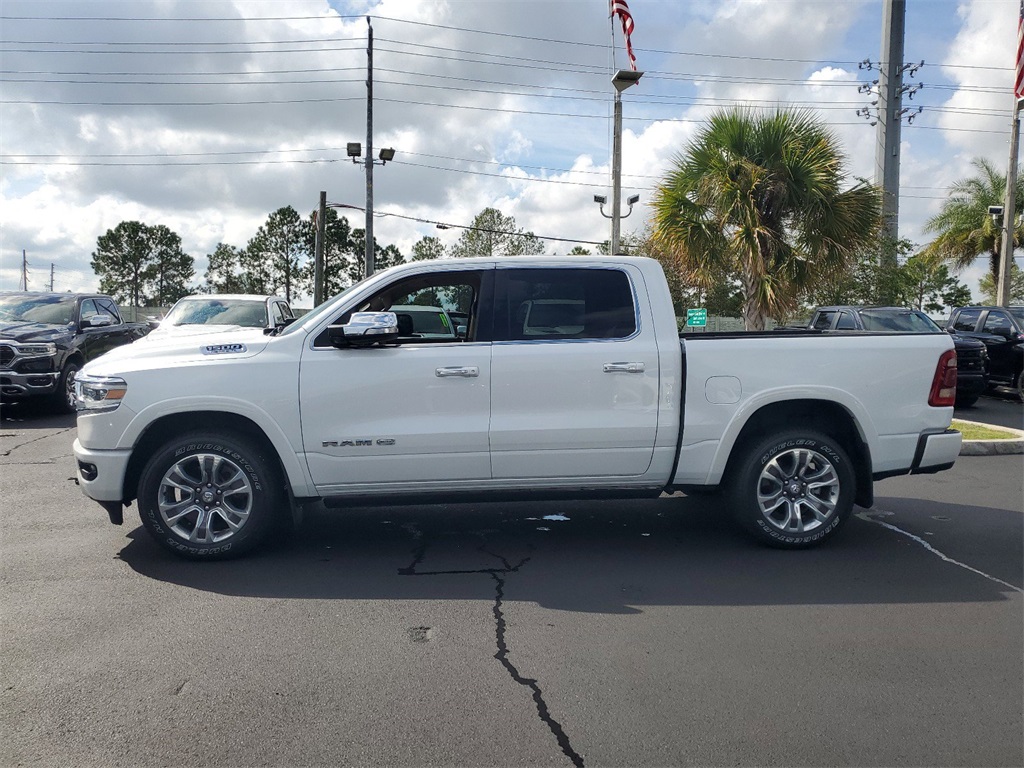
575, 374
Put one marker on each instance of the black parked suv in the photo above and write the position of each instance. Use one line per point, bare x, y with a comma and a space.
971, 354
1001, 329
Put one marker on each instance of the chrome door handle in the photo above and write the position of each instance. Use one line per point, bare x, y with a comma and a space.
623, 367
467, 371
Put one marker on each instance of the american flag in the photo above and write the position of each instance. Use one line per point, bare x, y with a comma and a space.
1018, 83
620, 7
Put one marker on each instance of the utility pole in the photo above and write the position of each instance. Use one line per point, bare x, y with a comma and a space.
23, 283
318, 251
368, 258
890, 119
51, 277
1009, 212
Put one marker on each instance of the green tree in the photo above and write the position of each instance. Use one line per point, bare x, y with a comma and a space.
428, 248
223, 273
383, 256
965, 229
173, 269
276, 256
494, 234
988, 287
760, 195
579, 250
139, 264
926, 284
868, 278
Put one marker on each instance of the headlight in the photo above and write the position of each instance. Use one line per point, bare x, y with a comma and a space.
99, 393
48, 348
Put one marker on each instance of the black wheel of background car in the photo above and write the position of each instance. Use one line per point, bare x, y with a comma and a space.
1020, 386
204, 496
966, 402
792, 490
63, 398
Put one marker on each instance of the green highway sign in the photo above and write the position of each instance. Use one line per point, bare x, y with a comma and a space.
697, 318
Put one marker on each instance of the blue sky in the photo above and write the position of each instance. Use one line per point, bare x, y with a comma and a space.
222, 111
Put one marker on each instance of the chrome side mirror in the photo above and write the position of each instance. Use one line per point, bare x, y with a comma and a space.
99, 320
364, 329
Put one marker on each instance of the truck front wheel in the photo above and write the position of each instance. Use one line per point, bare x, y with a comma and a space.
792, 490
63, 398
208, 497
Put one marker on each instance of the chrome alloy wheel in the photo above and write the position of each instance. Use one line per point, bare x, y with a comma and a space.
69, 392
798, 490
205, 498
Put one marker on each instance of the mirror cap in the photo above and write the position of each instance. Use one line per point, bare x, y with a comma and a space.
364, 328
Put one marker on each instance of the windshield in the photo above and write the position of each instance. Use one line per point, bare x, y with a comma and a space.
249, 313
904, 320
50, 309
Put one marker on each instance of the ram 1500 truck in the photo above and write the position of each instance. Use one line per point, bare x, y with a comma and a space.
219, 442
45, 338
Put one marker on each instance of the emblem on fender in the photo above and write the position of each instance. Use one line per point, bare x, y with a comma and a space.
223, 349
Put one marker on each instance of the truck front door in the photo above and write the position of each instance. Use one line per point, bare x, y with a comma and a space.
575, 374
415, 412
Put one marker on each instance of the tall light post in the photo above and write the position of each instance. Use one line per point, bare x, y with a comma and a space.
622, 80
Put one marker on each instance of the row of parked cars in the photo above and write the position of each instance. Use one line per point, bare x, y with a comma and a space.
46, 338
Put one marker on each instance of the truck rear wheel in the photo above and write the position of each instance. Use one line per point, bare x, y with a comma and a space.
792, 490
204, 496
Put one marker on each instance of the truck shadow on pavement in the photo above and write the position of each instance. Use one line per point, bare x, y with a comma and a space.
600, 557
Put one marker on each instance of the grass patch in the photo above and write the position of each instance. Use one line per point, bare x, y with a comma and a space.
981, 432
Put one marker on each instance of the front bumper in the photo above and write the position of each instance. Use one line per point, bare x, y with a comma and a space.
15, 386
101, 476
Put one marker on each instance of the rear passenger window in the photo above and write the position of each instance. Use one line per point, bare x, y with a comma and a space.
846, 322
823, 321
997, 323
967, 320
545, 304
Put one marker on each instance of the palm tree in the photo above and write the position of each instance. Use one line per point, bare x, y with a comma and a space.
760, 195
964, 226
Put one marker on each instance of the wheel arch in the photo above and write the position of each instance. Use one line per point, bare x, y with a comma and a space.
171, 425
825, 416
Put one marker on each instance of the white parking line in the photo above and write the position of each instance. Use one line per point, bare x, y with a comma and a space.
869, 516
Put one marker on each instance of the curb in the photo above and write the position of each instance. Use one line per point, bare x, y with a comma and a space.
1010, 446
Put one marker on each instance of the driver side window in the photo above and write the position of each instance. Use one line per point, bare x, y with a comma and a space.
436, 308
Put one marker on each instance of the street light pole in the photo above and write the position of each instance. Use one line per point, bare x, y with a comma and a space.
623, 79
368, 258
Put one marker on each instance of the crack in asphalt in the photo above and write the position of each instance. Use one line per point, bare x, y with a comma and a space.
502, 656
13, 448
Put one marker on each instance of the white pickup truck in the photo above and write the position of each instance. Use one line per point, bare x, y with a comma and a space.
220, 442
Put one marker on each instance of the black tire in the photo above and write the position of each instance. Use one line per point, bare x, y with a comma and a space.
792, 490
966, 402
63, 398
1020, 386
231, 478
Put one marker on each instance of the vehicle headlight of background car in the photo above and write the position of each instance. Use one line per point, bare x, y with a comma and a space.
99, 393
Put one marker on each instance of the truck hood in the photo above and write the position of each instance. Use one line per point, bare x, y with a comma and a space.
171, 351
34, 332
177, 331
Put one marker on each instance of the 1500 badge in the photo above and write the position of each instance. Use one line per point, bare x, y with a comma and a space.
356, 443
223, 349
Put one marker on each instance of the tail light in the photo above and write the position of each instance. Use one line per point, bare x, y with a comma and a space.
943, 394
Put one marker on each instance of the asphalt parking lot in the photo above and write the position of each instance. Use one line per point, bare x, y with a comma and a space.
641, 633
